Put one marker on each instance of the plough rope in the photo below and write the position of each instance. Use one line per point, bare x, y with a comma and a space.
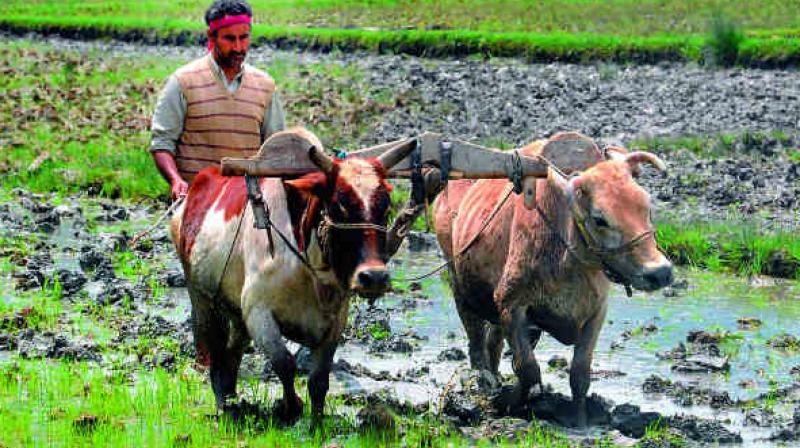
470, 243
158, 222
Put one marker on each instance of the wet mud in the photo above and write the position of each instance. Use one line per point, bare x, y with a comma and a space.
663, 365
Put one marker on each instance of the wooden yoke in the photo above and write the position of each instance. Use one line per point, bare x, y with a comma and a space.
286, 156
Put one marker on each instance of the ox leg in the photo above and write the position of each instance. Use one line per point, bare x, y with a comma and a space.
580, 368
522, 338
267, 335
211, 337
494, 347
318, 380
225, 372
475, 327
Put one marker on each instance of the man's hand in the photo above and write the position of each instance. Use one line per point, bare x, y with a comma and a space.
179, 188
165, 162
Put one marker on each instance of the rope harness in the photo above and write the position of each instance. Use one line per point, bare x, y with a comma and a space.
598, 252
327, 225
470, 243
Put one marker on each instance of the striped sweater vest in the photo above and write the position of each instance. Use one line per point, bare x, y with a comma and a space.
219, 123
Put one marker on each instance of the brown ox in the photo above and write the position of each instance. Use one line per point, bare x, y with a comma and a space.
534, 271
240, 291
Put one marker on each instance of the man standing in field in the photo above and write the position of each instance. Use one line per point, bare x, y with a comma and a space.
216, 106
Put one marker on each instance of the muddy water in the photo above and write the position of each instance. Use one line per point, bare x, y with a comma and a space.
710, 302
424, 315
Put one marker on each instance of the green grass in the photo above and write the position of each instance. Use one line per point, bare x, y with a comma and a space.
38, 309
75, 124
719, 145
80, 123
724, 40
615, 17
568, 30
554, 46
729, 247
58, 403
659, 434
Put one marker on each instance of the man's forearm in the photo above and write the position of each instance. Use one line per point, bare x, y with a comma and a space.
165, 162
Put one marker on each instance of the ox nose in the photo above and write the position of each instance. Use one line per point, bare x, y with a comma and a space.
373, 279
659, 277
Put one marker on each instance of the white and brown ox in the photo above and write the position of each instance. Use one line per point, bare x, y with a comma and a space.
548, 269
240, 291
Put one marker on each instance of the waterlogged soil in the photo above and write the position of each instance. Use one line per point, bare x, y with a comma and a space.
753, 174
713, 358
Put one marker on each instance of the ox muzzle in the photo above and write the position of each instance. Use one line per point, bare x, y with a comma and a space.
654, 278
370, 281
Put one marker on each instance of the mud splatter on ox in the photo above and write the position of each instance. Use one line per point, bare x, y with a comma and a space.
521, 278
266, 298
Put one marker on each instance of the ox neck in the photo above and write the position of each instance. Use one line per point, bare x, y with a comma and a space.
563, 232
581, 254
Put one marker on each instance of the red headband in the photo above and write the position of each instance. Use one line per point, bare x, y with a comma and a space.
218, 24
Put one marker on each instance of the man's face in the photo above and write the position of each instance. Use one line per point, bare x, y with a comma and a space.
231, 44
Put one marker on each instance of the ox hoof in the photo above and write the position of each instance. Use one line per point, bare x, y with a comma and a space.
509, 402
237, 412
318, 421
287, 411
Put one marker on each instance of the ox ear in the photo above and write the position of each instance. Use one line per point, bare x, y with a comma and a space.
636, 158
313, 184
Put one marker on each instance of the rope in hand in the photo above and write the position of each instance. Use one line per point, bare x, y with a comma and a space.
158, 222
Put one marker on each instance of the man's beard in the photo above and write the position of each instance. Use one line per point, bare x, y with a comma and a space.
231, 61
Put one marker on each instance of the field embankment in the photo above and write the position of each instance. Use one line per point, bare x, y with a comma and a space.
564, 30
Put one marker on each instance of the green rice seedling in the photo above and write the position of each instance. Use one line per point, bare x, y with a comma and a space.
726, 246
725, 38
658, 433
628, 35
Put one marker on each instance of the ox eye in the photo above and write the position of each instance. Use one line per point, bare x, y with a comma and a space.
599, 221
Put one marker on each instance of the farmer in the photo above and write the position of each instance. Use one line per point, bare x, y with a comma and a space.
216, 106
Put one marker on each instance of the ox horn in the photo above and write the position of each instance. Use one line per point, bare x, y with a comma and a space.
320, 159
393, 156
635, 158
613, 152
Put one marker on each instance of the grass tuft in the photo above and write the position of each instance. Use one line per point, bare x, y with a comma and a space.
729, 247
724, 40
